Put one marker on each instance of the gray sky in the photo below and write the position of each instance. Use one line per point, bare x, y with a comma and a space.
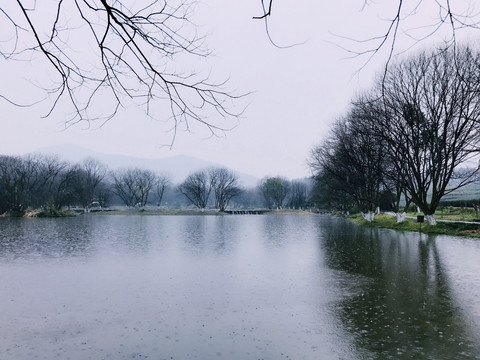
296, 92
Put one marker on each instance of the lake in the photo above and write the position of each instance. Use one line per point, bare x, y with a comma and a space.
234, 287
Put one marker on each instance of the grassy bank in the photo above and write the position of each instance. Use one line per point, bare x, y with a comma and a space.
446, 228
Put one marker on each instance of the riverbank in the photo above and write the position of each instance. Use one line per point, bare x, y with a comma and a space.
152, 212
157, 211
453, 228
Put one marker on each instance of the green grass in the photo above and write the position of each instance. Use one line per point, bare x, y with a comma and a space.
446, 228
457, 214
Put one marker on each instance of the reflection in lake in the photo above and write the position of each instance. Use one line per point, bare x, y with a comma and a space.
233, 287
406, 308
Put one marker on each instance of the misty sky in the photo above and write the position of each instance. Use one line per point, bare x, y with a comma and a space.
297, 92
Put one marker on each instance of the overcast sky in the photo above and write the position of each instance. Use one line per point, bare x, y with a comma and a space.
296, 92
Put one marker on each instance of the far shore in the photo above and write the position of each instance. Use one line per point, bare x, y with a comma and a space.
206, 212
155, 211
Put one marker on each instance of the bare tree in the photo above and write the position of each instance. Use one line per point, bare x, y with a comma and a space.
145, 181
196, 188
225, 186
326, 194
430, 124
104, 194
298, 194
64, 191
49, 171
124, 185
350, 161
416, 129
12, 188
163, 180
115, 52
133, 186
19, 183
93, 172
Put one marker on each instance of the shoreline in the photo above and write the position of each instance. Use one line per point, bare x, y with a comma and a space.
450, 228
156, 212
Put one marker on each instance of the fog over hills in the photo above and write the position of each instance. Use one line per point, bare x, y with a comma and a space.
178, 167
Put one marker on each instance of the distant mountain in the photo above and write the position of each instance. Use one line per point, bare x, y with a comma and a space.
178, 166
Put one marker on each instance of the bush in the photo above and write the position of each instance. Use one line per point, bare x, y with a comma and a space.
48, 211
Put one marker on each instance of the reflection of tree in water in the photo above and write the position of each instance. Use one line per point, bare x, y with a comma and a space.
193, 232
406, 309
209, 232
276, 229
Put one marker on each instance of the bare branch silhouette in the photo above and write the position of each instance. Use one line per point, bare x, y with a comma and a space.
444, 17
266, 14
109, 54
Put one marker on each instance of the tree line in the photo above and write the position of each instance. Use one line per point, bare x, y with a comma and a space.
411, 139
49, 184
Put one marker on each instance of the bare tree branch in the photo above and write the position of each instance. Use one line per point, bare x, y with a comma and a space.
444, 17
106, 55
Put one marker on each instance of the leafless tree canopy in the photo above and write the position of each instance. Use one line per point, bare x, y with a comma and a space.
196, 188
133, 186
90, 175
47, 183
421, 121
432, 109
163, 180
351, 160
111, 52
225, 186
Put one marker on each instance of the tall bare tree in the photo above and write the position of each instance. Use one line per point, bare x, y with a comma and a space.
49, 171
197, 188
351, 160
163, 180
430, 124
298, 194
225, 186
133, 186
91, 174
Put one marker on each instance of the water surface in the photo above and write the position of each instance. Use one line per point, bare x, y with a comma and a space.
234, 287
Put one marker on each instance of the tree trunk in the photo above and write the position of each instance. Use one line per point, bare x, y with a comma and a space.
431, 220
401, 217
369, 216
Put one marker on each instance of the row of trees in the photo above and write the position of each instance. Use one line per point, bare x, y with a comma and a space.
50, 184
415, 136
46, 181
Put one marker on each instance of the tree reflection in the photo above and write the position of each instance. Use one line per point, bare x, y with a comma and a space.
208, 233
276, 230
402, 306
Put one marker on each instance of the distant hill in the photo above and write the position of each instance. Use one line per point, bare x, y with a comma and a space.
468, 192
178, 166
